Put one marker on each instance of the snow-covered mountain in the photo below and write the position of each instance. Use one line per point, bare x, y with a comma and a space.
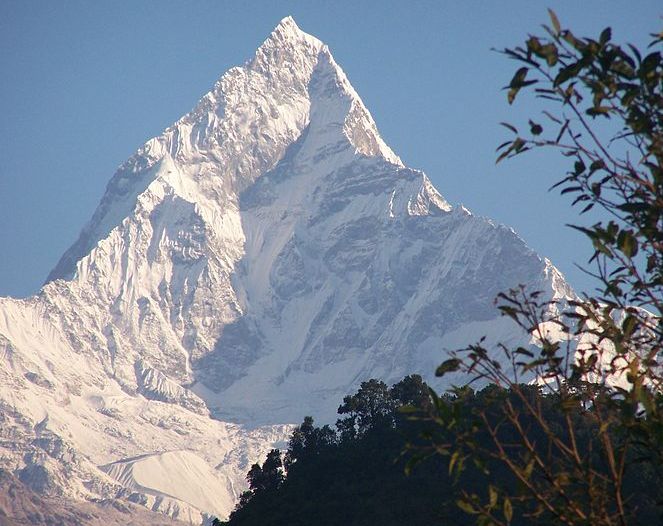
246, 268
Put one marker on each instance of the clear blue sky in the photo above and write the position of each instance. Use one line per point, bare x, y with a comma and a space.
84, 84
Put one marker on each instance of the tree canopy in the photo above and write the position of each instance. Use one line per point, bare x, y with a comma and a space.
366, 477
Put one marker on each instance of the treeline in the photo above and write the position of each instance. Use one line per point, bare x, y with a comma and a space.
381, 463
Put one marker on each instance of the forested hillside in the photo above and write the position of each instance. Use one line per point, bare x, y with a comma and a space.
380, 465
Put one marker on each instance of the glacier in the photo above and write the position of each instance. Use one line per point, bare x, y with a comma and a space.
246, 268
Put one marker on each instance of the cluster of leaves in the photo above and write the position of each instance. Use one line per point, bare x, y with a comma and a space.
506, 445
544, 457
617, 163
599, 355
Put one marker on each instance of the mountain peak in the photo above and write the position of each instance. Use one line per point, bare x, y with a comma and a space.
255, 262
287, 25
290, 49
288, 33
241, 129
287, 29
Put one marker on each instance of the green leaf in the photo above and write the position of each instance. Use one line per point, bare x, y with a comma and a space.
579, 167
535, 129
635, 51
650, 63
596, 165
412, 462
503, 145
605, 37
547, 51
598, 110
629, 325
492, 492
518, 77
554, 21
511, 95
509, 127
567, 73
518, 81
587, 208
622, 68
517, 146
508, 510
448, 366
627, 243
453, 460
571, 39
551, 54
523, 351
466, 507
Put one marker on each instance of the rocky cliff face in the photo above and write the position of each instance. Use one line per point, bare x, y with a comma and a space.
251, 265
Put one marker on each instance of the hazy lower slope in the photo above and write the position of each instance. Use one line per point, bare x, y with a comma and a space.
251, 265
21, 506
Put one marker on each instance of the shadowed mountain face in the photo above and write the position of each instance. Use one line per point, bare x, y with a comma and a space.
252, 264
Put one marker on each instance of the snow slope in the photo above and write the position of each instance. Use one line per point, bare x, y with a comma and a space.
21, 506
246, 268
174, 475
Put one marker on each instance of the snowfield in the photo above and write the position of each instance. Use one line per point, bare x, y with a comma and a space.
248, 267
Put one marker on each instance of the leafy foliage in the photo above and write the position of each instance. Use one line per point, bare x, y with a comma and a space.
598, 356
334, 477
